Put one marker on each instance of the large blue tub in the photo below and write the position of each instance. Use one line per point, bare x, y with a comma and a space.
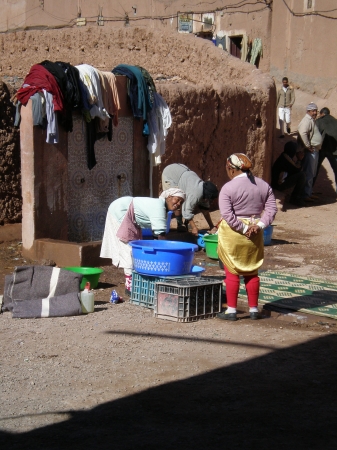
163, 257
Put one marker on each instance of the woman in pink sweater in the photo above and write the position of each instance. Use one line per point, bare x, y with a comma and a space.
247, 205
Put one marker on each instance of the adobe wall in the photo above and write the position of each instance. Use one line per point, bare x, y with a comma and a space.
219, 105
10, 178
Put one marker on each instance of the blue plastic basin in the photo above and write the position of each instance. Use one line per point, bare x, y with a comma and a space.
197, 270
163, 257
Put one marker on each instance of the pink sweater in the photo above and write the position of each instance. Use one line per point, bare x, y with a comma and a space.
242, 198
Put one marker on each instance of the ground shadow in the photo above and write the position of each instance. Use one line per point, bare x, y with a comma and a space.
285, 399
104, 285
96, 310
281, 242
318, 299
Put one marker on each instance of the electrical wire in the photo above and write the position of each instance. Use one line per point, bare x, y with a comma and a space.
25, 19
234, 8
18, 15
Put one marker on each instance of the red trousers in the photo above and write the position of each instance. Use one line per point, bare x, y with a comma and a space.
252, 283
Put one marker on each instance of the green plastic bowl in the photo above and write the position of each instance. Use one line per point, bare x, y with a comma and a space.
90, 274
211, 245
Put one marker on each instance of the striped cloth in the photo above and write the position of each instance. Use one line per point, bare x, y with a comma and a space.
42, 291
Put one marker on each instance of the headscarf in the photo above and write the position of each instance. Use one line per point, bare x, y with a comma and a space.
173, 192
311, 106
239, 161
210, 191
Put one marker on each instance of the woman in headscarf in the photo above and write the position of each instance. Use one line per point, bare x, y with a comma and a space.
199, 194
124, 222
247, 206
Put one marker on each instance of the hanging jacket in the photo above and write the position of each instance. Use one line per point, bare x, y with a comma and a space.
138, 89
62, 80
40, 78
90, 79
73, 94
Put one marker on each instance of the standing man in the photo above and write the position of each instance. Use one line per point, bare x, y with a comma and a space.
327, 126
310, 139
285, 100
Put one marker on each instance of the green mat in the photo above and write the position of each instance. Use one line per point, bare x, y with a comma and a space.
308, 295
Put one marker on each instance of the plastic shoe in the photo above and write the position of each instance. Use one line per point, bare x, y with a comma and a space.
228, 316
254, 315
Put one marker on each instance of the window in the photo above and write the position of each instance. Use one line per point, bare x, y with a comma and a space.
308, 5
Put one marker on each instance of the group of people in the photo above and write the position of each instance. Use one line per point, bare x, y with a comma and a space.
247, 203
299, 164
247, 206
184, 193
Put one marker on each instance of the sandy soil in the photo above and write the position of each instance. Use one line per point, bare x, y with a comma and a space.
119, 378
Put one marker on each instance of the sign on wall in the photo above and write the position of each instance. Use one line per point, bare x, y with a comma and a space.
185, 22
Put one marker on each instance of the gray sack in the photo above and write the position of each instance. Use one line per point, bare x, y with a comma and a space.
37, 283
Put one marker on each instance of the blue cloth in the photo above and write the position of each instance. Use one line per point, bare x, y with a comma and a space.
138, 89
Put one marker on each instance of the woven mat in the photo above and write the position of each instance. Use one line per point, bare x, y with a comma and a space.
308, 295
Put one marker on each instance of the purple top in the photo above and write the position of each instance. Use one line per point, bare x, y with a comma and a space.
241, 197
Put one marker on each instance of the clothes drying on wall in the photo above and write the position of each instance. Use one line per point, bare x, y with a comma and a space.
63, 88
146, 103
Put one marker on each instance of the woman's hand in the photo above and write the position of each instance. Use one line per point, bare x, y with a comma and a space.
213, 230
192, 228
252, 230
194, 231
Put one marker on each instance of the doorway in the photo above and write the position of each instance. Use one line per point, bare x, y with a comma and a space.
235, 46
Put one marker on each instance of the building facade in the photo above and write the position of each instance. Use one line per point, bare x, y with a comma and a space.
286, 38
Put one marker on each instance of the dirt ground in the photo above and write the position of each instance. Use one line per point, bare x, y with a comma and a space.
120, 378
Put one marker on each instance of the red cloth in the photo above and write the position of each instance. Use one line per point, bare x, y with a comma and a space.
40, 78
252, 283
232, 288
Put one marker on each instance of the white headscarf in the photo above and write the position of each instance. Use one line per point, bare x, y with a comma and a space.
173, 192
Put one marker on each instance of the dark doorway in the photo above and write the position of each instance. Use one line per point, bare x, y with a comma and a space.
235, 46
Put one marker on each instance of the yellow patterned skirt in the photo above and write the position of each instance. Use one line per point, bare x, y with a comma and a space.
240, 255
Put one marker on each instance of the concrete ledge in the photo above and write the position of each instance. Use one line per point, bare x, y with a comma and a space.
65, 253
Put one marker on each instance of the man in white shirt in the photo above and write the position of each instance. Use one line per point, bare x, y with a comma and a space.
285, 101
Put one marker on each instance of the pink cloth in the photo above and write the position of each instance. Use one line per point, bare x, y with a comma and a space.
129, 230
242, 197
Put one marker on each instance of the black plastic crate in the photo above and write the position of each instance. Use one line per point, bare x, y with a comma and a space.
187, 300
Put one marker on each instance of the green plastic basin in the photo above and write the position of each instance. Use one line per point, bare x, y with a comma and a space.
90, 274
211, 245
